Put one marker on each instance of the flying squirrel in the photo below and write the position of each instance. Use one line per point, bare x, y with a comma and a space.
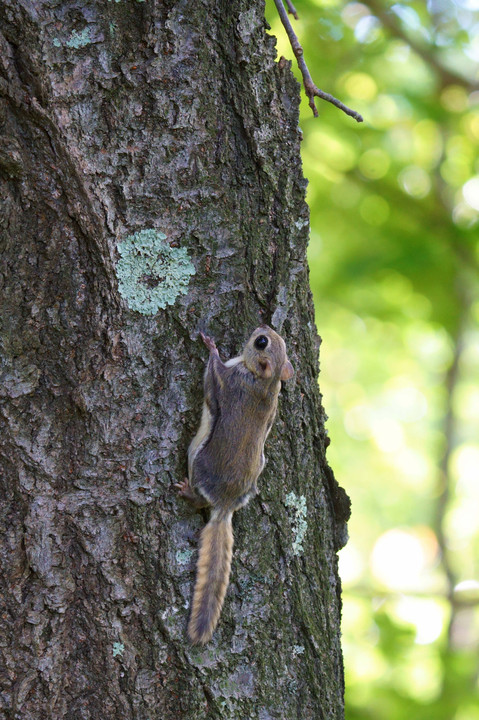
225, 459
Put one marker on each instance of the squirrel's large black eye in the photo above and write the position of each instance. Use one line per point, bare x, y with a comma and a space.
261, 342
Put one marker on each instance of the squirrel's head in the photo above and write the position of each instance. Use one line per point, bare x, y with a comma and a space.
265, 355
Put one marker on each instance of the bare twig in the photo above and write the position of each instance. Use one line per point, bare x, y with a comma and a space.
291, 9
309, 87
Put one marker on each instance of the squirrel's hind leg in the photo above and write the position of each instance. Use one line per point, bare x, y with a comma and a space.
186, 491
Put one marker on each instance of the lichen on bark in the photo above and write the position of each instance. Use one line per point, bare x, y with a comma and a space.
151, 274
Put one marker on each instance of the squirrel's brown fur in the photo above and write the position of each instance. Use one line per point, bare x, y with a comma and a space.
212, 576
226, 457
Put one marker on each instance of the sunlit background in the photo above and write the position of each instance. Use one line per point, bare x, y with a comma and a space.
394, 263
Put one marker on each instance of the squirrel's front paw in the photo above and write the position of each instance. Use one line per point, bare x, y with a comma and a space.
209, 342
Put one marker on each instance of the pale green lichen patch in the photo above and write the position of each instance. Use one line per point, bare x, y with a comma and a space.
297, 650
79, 38
298, 521
151, 274
183, 557
118, 649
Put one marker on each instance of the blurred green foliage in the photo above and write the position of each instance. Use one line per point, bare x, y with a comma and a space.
394, 264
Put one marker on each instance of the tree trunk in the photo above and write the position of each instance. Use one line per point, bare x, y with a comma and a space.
151, 187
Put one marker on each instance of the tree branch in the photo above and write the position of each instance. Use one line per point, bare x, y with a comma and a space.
291, 9
310, 88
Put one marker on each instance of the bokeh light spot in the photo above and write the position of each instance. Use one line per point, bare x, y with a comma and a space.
360, 86
470, 191
374, 163
400, 557
454, 98
415, 181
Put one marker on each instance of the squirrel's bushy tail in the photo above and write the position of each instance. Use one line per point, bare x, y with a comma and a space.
213, 571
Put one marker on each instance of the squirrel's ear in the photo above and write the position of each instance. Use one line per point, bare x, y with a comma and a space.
287, 371
265, 368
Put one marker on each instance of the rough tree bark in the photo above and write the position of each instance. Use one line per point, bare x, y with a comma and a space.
168, 125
